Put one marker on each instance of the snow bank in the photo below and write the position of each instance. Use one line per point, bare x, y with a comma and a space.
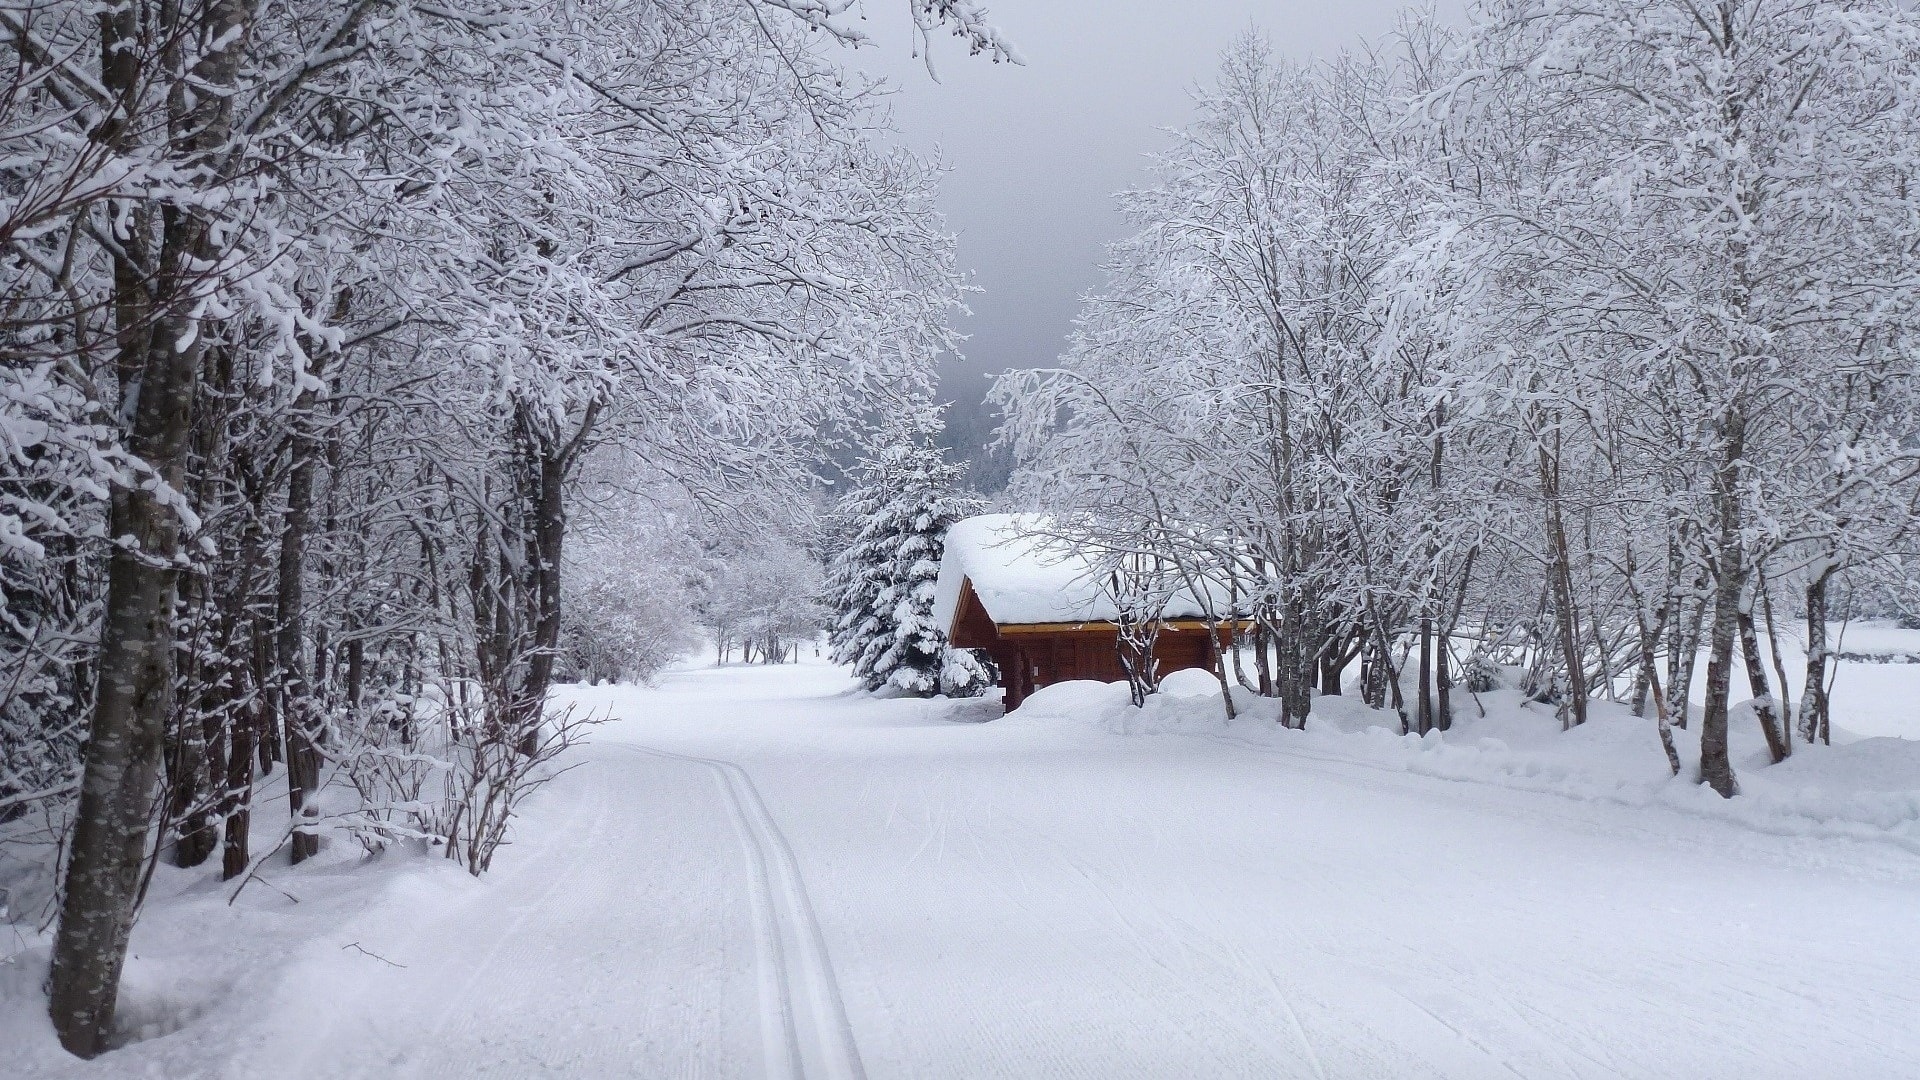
1868, 789
208, 970
1023, 576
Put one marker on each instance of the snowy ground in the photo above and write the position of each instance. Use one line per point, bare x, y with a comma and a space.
755, 872
1870, 698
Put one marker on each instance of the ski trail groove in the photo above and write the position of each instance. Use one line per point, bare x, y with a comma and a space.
803, 1018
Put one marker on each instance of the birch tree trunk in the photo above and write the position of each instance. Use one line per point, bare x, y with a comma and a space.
1813, 699
1764, 708
1716, 768
1560, 579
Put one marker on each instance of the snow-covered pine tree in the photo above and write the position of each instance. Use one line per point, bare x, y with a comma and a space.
904, 499
862, 571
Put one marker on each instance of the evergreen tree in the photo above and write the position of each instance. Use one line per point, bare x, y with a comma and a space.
882, 586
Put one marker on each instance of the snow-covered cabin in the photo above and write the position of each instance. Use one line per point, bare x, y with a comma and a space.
1036, 606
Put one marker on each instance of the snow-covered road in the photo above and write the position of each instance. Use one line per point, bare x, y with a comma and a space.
754, 873
871, 886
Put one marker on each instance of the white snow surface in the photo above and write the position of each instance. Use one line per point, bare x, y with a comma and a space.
758, 872
1022, 575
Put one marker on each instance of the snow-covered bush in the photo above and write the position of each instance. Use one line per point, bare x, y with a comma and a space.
1482, 674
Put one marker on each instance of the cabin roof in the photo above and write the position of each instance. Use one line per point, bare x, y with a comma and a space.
1022, 576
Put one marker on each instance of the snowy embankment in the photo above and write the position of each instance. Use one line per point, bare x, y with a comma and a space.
1859, 789
223, 971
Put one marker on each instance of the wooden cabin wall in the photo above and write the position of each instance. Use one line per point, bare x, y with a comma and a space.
1029, 661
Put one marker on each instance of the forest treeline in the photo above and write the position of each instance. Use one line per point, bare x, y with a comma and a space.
313, 318
1581, 335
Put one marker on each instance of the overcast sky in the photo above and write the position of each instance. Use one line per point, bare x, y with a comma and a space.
1035, 152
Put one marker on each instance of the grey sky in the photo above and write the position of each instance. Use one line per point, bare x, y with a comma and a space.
1036, 151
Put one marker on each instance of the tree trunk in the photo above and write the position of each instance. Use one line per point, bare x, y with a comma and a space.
356, 671
1560, 579
1686, 658
1813, 699
1649, 673
159, 336
1716, 768
1763, 705
1426, 719
1220, 645
236, 801
1335, 653
1302, 659
548, 478
296, 711
268, 745
195, 732
1659, 703
1239, 663
134, 698
1262, 666
1785, 712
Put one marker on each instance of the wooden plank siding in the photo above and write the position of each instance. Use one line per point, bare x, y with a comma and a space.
1032, 655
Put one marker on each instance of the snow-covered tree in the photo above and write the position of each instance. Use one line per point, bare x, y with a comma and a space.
904, 499
763, 599
630, 605
314, 313
1586, 335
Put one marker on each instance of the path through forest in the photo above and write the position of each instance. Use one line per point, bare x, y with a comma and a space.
753, 872
792, 879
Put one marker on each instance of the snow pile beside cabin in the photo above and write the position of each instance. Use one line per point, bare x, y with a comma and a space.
1865, 789
1024, 576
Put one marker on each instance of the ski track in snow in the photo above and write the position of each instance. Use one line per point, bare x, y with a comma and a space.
804, 1022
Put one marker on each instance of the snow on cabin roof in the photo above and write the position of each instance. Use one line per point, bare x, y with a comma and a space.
1023, 576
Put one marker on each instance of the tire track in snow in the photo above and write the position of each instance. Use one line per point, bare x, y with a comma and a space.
804, 1023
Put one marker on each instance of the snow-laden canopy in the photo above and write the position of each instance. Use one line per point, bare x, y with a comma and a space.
1022, 574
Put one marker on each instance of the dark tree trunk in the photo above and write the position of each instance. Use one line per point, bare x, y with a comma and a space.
188, 775
1337, 650
550, 527
1299, 659
356, 671
1263, 668
1425, 708
268, 745
244, 640
134, 698
236, 800
296, 706
545, 487
159, 337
